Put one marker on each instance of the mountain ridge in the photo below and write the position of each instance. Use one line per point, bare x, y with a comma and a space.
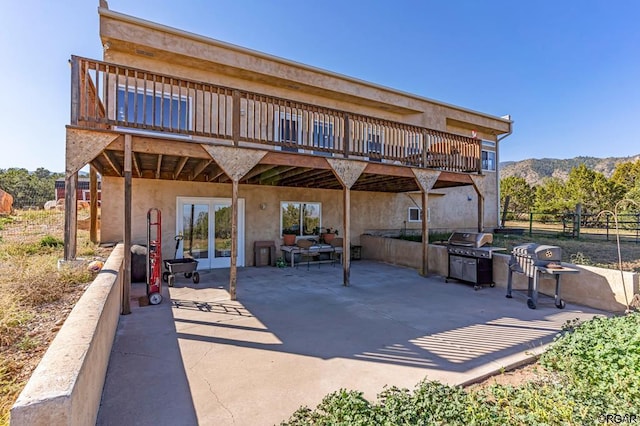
536, 170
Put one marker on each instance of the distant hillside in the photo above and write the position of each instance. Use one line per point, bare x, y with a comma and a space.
534, 171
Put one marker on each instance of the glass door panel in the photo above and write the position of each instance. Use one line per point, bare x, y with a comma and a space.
222, 233
205, 225
195, 233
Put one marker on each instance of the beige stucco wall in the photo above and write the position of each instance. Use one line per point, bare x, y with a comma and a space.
598, 288
369, 210
66, 386
159, 48
147, 45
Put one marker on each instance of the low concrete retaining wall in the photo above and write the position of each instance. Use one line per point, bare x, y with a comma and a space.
66, 387
598, 288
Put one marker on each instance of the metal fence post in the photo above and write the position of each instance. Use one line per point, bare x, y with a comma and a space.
530, 223
578, 219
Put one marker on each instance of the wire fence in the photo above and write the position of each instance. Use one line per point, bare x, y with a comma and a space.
577, 225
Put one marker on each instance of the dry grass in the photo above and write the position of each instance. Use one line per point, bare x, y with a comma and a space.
35, 297
583, 251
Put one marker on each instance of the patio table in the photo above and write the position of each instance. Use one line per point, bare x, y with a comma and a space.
314, 249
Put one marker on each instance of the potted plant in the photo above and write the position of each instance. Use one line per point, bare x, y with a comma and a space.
289, 237
328, 235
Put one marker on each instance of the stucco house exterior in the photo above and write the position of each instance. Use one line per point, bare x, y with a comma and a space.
236, 146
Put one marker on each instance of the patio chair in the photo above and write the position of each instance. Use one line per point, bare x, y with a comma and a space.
307, 250
337, 244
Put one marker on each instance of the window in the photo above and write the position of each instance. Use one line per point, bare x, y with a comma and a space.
299, 218
323, 136
288, 129
153, 109
415, 214
488, 160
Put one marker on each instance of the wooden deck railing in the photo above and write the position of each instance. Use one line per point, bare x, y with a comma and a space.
104, 95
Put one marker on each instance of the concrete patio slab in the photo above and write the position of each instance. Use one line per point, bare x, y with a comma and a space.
296, 334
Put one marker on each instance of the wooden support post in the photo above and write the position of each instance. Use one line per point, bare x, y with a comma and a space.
75, 91
70, 216
126, 280
235, 124
424, 270
425, 180
233, 278
93, 203
480, 210
346, 241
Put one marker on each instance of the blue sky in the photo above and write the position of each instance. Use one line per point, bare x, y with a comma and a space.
568, 72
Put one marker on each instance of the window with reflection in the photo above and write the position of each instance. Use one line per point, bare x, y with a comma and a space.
300, 218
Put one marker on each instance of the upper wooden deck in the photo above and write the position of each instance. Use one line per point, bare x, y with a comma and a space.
115, 97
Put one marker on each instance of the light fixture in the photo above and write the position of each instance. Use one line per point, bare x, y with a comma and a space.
263, 206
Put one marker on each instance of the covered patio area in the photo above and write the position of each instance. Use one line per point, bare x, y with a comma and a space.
293, 336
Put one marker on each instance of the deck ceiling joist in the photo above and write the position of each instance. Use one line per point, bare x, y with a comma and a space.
155, 158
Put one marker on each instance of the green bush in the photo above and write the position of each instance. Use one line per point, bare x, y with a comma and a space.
51, 241
601, 356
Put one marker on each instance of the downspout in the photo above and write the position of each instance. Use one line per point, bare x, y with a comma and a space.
498, 140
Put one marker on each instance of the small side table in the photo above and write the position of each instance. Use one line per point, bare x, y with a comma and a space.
258, 249
356, 252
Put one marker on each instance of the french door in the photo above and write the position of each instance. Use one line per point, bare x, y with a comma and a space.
205, 227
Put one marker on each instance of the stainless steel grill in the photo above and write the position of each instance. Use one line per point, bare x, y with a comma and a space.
535, 259
470, 258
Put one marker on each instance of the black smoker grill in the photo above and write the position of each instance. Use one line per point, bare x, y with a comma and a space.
471, 258
535, 259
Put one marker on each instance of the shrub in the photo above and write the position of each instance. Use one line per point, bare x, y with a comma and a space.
50, 241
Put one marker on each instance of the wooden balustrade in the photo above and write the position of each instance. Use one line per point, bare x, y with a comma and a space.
105, 95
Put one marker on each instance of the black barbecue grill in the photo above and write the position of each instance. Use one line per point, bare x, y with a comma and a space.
535, 259
471, 258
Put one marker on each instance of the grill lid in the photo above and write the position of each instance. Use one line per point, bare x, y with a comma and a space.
470, 239
538, 252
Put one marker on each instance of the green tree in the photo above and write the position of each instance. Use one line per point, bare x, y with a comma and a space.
627, 174
592, 189
28, 189
521, 194
551, 197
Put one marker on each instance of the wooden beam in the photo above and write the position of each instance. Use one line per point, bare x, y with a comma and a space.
388, 170
274, 174
70, 216
478, 182
112, 161
158, 166
296, 160
216, 175
233, 277
126, 280
458, 178
179, 167
156, 146
136, 163
257, 170
93, 205
310, 175
96, 165
199, 168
